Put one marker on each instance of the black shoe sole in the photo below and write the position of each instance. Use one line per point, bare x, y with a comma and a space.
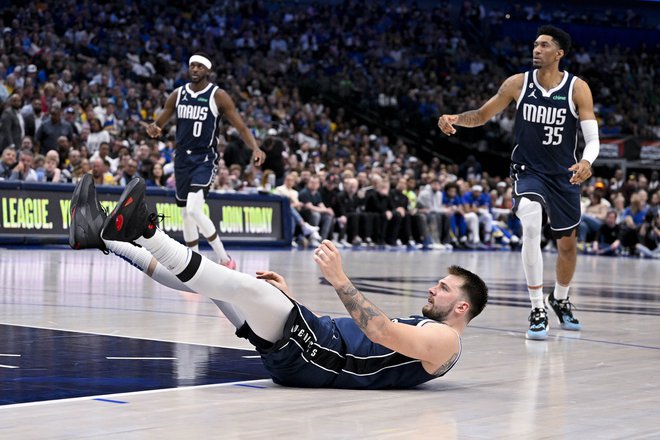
87, 216
128, 220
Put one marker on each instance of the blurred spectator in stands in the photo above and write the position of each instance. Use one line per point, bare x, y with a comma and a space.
470, 170
128, 172
633, 217
608, 238
593, 216
32, 117
23, 170
314, 210
96, 136
70, 117
649, 236
50, 173
80, 170
410, 218
303, 228
104, 153
330, 196
70, 163
7, 163
156, 176
350, 213
11, 123
379, 206
458, 219
275, 150
100, 172
27, 144
478, 202
431, 205
236, 152
51, 129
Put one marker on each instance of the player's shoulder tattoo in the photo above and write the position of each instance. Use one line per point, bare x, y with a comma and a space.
447, 365
511, 85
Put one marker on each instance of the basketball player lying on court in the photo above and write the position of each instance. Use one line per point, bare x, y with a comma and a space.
298, 348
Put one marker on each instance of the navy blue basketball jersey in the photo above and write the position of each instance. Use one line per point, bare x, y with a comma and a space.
370, 365
545, 129
197, 119
319, 351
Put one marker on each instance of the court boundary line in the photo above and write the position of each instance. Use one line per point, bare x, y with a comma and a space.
129, 393
125, 336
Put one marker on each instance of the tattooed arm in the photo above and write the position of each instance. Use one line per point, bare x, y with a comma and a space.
435, 345
509, 91
368, 317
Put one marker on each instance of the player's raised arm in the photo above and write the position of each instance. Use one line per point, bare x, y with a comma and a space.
509, 91
434, 344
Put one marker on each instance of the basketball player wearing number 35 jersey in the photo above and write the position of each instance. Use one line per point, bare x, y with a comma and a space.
199, 105
544, 167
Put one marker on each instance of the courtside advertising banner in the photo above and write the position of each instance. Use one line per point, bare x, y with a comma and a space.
34, 213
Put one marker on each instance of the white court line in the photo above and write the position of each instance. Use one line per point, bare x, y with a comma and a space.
132, 393
10, 355
126, 336
136, 358
251, 357
8, 366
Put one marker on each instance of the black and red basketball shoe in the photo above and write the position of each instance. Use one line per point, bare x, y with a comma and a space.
87, 216
130, 219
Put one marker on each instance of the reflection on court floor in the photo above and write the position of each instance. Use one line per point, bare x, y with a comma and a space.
39, 364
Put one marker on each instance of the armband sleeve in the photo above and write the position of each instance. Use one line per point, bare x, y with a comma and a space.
590, 133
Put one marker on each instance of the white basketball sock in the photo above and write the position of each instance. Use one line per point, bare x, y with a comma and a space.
264, 307
190, 232
170, 253
194, 207
536, 297
136, 256
561, 292
141, 258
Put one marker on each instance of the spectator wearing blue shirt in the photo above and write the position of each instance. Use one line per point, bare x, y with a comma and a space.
479, 203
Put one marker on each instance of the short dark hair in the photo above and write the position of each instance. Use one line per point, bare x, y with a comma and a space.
475, 289
561, 37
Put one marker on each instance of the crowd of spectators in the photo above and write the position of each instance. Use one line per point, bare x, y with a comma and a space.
79, 79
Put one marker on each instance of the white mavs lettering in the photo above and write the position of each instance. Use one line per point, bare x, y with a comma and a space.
540, 114
184, 111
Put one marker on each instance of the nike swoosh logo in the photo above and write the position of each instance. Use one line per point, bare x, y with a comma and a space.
128, 202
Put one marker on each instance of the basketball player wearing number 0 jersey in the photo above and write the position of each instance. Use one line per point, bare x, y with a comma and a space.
198, 106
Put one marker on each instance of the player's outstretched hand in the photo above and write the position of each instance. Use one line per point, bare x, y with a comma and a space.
446, 124
329, 261
275, 279
581, 172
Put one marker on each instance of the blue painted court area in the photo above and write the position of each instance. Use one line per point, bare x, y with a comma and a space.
38, 364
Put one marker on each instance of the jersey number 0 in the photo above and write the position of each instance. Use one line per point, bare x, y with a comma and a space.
197, 128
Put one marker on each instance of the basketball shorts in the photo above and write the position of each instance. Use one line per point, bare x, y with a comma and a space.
560, 199
308, 355
193, 172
